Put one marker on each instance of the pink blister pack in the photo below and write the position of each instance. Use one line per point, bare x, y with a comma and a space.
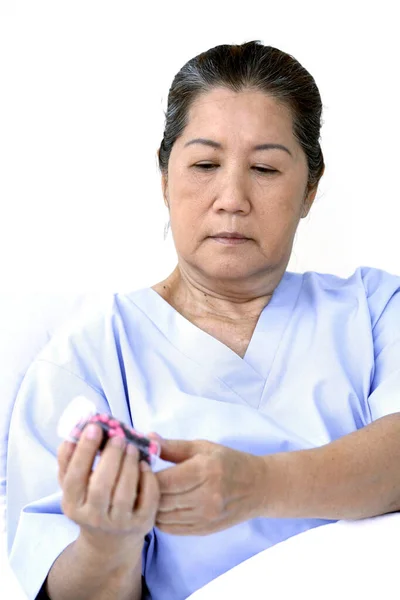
81, 412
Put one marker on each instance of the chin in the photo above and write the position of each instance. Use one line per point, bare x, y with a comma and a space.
228, 272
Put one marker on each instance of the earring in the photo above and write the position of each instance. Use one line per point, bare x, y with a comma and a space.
166, 228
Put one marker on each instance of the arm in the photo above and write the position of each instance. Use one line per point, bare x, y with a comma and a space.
355, 477
83, 573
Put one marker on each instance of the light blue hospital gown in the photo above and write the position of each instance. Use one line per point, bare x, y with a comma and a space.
323, 361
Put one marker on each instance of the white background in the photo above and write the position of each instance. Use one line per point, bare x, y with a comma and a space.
83, 90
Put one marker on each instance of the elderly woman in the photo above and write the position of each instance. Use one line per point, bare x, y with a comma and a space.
276, 394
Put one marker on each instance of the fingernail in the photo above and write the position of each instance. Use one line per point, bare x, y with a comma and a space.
91, 432
118, 441
131, 449
74, 435
144, 466
154, 434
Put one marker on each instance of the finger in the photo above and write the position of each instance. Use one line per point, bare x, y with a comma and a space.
171, 502
154, 436
177, 517
181, 478
148, 495
64, 454
123, 496
104, 479
186, 529
177, 451
197, 529
79, 469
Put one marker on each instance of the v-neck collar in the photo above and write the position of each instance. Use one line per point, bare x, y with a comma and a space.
211, 354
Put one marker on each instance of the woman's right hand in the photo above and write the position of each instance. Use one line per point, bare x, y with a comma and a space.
116, 504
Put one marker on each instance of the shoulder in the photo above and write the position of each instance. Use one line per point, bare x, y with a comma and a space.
89, 316
368, 286
378, 283
382, 292
92, 326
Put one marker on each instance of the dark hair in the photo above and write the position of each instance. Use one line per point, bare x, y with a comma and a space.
248, 66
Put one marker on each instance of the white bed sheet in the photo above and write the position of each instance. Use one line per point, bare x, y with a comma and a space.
357, 560
347, 560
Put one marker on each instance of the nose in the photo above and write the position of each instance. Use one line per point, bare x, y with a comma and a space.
232, 193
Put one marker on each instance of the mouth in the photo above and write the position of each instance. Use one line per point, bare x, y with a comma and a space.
230, 241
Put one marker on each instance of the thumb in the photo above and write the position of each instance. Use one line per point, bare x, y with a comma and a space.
177, 451
155, 436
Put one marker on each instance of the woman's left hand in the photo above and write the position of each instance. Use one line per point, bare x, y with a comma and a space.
211, 487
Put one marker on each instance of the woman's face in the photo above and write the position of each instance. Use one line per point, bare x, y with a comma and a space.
259, 193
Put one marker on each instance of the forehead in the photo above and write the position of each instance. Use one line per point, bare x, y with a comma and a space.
251, 112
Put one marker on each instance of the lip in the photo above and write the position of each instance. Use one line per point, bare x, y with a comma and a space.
230, 241
229, 234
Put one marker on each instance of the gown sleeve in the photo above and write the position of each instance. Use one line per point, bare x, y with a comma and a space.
383, 297
37, 529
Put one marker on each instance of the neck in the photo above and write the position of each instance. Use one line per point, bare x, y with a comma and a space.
203, 300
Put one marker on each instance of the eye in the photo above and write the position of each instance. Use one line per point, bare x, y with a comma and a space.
206, 167
202, 165
264, 170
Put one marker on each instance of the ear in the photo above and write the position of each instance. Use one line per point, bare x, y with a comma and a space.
310, 197
164, 185
308, 202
